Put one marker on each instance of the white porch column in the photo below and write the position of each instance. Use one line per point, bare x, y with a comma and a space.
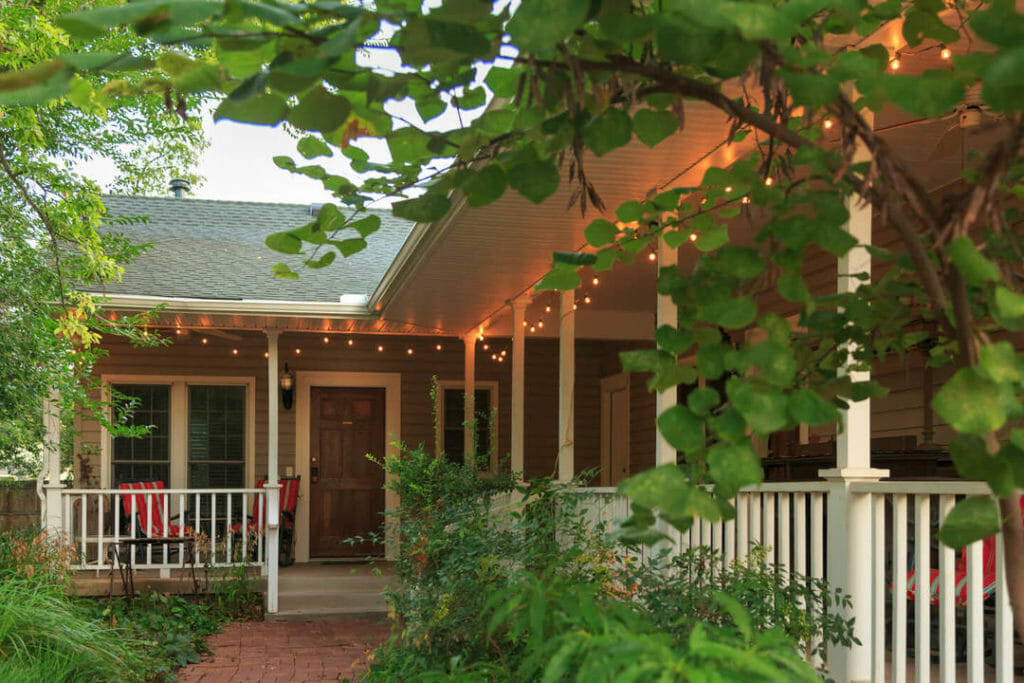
469, 393
566, 385
667, 314
272, 484
52, 513
849, 539
519, 382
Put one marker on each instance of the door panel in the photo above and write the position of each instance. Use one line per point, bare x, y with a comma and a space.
615, 437
346, 489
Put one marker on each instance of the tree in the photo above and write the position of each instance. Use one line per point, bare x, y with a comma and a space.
49, 212
578, 77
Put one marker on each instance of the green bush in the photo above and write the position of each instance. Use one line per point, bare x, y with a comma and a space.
504, 581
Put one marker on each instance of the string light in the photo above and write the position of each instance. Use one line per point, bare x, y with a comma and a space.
380, 348
351, 342
234, 352
486, 347
652, 256
438, 347
298, 351
540, 323
494, 356
532, 328
596, 281
828, 123
894, 63
547, 309
204, 340
525, 323
768, 182
693, 237
945, 53
266, 354
574, 307
586, 299
504, 351
327, 340
728, 189
745, 200
177, 331
408, 351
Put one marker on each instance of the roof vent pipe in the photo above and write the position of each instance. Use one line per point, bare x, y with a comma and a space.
180, 187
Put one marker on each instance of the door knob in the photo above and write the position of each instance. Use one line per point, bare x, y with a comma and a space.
315, 474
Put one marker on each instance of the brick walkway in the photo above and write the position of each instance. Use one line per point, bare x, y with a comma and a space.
288, 651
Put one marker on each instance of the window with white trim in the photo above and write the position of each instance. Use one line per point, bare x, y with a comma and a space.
216, 437
451, 421
147, 457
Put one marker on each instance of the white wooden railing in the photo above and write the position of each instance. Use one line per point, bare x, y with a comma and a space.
95, 521
789, 521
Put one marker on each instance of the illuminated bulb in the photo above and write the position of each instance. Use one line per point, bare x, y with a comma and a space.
504, 351
327, 340
693, 237
945, 52
379, 348
532, 328
540, 323
298, 352
745, 200
438, 347
728, 189
409, 351
204, 340
501, 359
768, 181
828, 124
177, 331
494, 356
586, 299
486, 347
894, 64
234, 352
351, 342
596, 281
703, 201
652, 256
145, 333
574, 307
266, 354
547, 309
525, 323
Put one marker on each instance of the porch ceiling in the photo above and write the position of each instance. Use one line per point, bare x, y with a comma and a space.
475, 261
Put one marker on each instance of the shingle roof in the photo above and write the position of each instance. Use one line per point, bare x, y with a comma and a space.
208, 249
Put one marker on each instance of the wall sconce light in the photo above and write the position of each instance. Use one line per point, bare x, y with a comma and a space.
286, 382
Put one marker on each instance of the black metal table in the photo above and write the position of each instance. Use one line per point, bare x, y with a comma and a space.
122, 556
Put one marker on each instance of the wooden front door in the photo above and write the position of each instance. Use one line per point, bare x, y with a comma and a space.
346, 489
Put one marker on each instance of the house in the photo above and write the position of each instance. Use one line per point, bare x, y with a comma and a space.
303, 377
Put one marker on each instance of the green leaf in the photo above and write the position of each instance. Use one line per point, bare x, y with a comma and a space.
312, 147
682, 429
1009, 308
538, 26
92, 23
284, 242
326, 259
486, 186
975, 268
366, 226
652, 126
1003, 82
920, 24
812, 90
808, 407
974, 462
350, 246
281, 271
643, 360
608, 131
776, 362
712, 239
999, 24
503, 82
972, 519
702, 399
535, 180
763, 407
429, 207
792, 288
267, 110
320, 110
742, 262
600, 232
629, 211
560, 278
733, 466
971, 403
731, 314
999, 363
409, 145
673, 339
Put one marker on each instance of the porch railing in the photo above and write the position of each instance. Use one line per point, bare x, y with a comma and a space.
95, 521
972, 641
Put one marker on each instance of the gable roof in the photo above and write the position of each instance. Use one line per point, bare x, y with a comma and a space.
210, 249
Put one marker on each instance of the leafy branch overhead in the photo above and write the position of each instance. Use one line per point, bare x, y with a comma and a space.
530, 100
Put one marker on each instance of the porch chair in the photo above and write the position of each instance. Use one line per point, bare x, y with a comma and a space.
289, 501
150, 527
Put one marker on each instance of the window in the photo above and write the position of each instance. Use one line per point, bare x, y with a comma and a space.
216, 437
451, 418
146, 458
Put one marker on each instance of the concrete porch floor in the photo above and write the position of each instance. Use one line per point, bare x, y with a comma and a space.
319, 590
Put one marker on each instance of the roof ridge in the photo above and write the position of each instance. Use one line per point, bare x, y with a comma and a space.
228, 201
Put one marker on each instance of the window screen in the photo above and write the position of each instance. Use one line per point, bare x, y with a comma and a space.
216, 437
452, 439
145, 458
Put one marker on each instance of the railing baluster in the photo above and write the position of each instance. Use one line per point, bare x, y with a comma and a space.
262, 499
880, 586
100, 560
922, 595
1004, 620
947, 606
975, 627
899, 589
756, 536
198, 520
768, 527
165, 508
149, 525
117, 522
800, 533
817, 554
730, 538
742, 526
227, 533
213, 529
784, 554
83, 501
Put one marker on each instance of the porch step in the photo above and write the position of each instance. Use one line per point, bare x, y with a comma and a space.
324, 591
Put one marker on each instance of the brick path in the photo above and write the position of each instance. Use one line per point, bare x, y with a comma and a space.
288, 651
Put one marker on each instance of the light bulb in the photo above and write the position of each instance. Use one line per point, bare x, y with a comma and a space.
745, 200
828, 123
438, 347
894, 64
945, 53
596, 281
693, 237
177, 331
298, 352
652, 256
586, 299
525, 323
351, 342
234, 352
768, 182
327, 340
547, 309
494, 356
540, 323
728, 189
408, 351
486, 347
266, 354
532, 328
379, 348
204, 340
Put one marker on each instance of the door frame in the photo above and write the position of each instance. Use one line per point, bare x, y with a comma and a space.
612, 383
391, 383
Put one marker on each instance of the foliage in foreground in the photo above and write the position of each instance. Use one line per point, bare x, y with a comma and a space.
500, 581
46, 635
